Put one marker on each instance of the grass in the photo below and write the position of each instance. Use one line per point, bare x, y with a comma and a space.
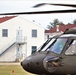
12, 70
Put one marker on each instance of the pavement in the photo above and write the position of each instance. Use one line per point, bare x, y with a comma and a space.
18, 63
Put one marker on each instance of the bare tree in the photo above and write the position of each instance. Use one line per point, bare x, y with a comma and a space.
54, 23
74, 22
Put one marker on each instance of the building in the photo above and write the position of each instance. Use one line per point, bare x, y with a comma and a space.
59, 29
18, 38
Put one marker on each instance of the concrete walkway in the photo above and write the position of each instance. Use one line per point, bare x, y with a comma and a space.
10, 63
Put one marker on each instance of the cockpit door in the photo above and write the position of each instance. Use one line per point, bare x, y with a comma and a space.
69, 58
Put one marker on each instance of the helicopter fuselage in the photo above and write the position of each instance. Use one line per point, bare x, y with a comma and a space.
57, 56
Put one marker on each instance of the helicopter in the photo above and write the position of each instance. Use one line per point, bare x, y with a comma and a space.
57, 56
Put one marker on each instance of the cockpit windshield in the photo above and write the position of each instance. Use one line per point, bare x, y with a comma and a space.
49, 43
55, 44
45, 43
58, 46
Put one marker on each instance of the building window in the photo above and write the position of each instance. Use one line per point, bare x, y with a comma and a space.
34, 33
4, 32
34, 49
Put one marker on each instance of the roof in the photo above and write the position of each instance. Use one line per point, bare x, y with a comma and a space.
3, 19
61, 28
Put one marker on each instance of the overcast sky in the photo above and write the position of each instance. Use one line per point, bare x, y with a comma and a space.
40, 19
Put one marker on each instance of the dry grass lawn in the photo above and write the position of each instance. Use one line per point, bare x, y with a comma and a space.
12, 70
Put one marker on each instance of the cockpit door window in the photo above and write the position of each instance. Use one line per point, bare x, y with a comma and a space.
72, 49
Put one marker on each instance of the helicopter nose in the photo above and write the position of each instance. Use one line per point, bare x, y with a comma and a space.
33, 65
30, 66
21, 64
25, 65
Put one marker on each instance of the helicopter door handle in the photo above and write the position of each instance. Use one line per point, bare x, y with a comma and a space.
62, 64
61, 57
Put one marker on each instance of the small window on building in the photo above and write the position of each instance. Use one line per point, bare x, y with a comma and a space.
4, 32
34, 48
34, 33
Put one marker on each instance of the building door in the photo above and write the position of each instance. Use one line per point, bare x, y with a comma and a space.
19, 51
19, 35
19, 45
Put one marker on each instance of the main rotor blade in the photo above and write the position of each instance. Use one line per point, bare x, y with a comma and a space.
41, 12
68, 5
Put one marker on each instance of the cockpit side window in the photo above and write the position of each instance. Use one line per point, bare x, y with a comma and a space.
71, 49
